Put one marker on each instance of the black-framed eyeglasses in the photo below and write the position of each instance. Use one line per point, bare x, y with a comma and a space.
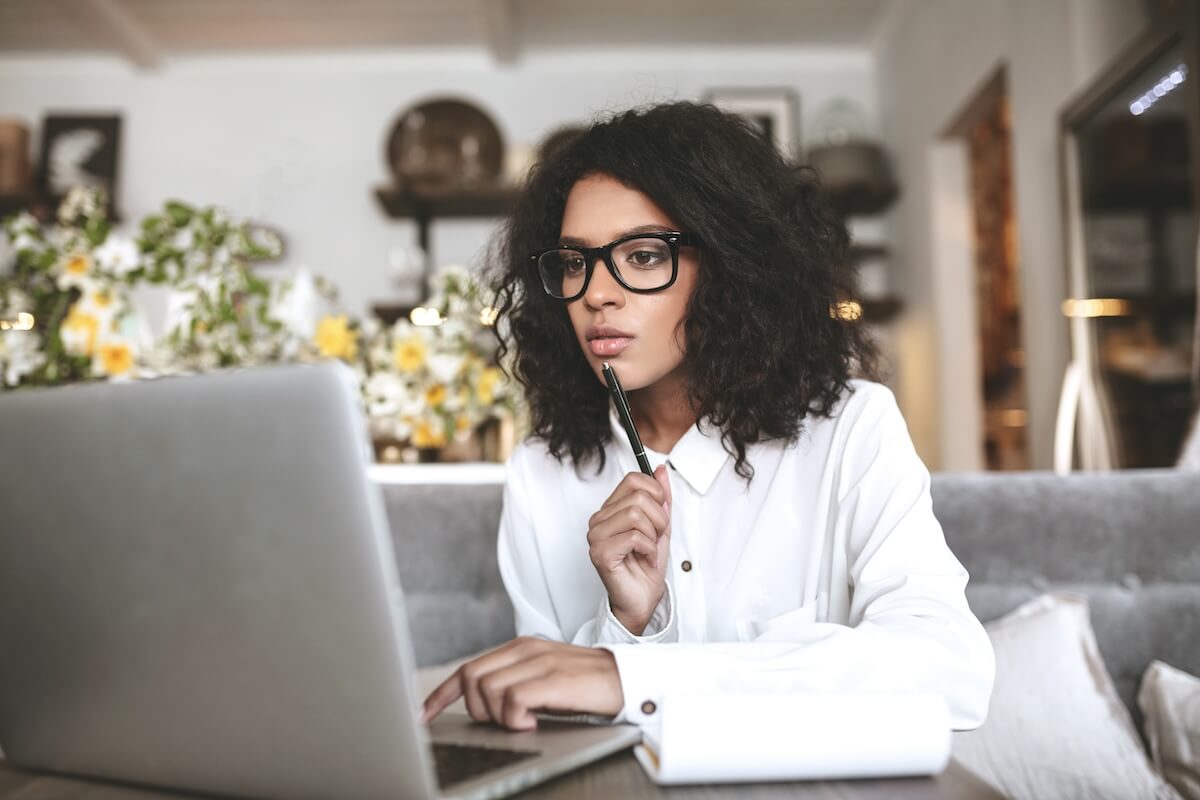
641, 262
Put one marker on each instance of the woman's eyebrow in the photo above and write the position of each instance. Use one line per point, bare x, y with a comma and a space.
571, 241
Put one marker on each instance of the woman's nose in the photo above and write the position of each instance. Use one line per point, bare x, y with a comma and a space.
603, 289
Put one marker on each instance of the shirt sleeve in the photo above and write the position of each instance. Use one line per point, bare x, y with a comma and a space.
523, 572
910, 625
520, 560
607, 629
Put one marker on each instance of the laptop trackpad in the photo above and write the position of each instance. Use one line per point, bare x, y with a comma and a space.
466, 750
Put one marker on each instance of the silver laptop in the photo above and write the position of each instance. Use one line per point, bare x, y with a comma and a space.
198, 590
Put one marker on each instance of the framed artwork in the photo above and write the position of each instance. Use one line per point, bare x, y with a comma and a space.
78, 151
775, 112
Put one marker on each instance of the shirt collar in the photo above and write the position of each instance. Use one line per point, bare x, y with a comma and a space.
698, 455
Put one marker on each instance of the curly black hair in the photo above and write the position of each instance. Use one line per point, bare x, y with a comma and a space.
762, 348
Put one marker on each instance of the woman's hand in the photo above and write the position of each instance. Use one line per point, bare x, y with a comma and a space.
529, 674
629, 540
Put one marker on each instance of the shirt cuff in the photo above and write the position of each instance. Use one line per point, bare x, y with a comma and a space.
660, 628
641, 684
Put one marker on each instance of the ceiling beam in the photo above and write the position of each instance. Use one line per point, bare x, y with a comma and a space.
129, 35
500, 27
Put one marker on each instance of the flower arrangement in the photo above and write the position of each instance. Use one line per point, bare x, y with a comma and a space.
428, 384
67, 313
74, 282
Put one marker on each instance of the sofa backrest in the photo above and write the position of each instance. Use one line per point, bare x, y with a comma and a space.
1129, 540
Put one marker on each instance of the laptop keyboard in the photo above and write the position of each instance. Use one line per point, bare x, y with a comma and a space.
456, 763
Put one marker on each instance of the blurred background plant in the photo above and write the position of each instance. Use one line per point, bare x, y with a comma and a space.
431, 380
68, 313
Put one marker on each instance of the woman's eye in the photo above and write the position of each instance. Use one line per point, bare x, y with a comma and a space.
645, 258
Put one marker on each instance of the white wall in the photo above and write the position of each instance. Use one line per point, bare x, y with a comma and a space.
298, 141
932, 58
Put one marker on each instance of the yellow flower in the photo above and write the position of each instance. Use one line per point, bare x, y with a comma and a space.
462, 423
75, 271
115, 358
335, 339
435, 395
425, 435
487, 385
102, 298
409, 354
78, 332
78, 265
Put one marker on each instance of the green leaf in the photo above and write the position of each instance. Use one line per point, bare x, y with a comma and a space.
97, 230
179, 213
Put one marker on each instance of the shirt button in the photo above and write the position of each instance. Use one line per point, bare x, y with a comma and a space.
687, 566
648, 707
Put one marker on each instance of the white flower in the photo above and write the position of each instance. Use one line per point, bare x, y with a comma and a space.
400, 429
16, 302
385, 393
454, 328
74, 271
118, 255
25, 241
20, 354
100, 302
183, 239
80, 332
444, 366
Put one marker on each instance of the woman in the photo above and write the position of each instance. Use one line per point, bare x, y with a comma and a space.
787, 538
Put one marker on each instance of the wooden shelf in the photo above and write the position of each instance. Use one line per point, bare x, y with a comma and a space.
880, 309
425, 206
864, 200
38, 206
13, 203
491, 201
862, 252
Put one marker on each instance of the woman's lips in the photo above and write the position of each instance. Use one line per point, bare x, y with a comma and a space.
610, 347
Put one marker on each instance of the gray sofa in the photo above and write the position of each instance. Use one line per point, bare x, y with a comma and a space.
1129, 540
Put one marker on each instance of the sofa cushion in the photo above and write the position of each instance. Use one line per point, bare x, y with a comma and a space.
1055, 727
1133, 624
1170, 701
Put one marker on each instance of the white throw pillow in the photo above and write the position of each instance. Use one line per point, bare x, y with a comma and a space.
1170, 702
1056, 727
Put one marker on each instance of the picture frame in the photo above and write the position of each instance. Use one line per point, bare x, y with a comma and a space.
773, 111
78, 150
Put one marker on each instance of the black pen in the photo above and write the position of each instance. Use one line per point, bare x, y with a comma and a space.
622, 404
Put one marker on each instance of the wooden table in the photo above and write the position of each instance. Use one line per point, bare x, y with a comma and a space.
618, 775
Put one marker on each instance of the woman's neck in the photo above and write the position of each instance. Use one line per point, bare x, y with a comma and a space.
661, 412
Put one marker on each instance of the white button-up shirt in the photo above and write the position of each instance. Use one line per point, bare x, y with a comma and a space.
829, 571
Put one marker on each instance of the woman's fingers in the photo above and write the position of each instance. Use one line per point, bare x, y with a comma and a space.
555, 692
648, 506
615, 549
664, 480
632, 482
493, 685
632, 519
532, 674
586, 682
464, 682
446, 693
